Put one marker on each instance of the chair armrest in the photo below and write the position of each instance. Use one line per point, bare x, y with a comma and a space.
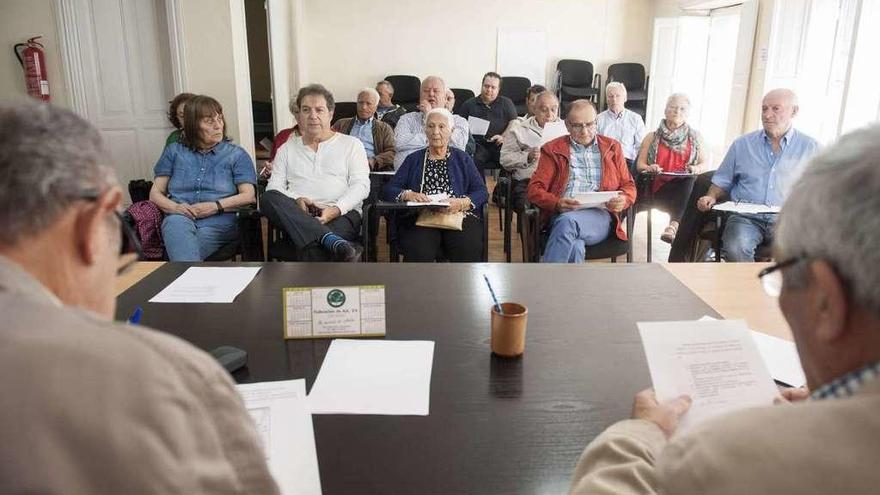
531, 233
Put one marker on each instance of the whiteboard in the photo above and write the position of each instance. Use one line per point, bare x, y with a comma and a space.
522, 53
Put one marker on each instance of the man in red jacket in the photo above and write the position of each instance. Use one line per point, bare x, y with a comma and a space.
573, 165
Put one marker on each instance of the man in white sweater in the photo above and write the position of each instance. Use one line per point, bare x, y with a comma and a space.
828, 282
318, 183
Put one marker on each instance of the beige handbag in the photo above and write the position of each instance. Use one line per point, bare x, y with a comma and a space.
437, 219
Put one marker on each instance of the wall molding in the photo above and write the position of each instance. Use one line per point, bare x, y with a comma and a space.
67, 23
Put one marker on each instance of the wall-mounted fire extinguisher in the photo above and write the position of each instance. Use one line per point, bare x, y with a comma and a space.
33, 61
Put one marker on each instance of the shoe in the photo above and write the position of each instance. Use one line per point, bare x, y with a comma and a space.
668, 234
348, 253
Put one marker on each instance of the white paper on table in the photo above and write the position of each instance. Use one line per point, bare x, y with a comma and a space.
595, 199
715, 362
745, 207
478, 126
281, 413
207, 284
780, 356
374, 377
441, 200
553, 130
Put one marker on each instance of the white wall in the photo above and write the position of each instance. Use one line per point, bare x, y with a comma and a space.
350, 44
20, 20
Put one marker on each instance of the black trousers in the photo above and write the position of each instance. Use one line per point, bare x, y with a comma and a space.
305, 231
518, 194
425, 244
672, 197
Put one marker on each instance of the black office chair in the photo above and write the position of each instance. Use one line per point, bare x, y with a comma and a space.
461, 96
344, 110
407, 90
575, 80
644, 202
633, 77
515, 87
535, 238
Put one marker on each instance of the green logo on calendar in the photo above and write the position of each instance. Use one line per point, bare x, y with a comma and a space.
335, 298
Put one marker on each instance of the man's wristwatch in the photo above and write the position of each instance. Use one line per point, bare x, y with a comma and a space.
219, 206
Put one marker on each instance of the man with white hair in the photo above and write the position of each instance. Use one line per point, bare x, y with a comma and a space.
758, 167
89, 405
409, 135
828, 283
621, 123
376, 136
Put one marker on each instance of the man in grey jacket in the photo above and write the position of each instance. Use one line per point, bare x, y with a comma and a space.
88, 405
828, 282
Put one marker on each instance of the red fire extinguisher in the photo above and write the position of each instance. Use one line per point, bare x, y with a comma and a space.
33, 61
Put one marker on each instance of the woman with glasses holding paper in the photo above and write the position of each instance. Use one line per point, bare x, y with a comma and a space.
199, 181
453, 231
674, 153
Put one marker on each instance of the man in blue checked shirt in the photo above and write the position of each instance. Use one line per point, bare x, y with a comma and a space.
758, 168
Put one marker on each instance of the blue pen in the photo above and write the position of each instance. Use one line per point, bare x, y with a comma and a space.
135, 317
494, 298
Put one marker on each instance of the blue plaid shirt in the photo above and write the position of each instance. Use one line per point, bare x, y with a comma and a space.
363, 130
585, 174
847, 384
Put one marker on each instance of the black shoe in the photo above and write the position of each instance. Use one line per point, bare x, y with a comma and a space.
348, 252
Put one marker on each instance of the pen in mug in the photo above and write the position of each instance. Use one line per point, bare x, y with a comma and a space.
492, 292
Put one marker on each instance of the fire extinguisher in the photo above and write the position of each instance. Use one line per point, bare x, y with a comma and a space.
33, 61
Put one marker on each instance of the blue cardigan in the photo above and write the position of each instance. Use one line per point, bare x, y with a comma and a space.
463, 175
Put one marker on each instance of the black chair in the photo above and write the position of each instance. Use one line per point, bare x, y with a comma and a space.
506, 181
389, 209
407, 90
764, 251
515, 87
344, 110
575, 80
633, 77
644, 202
534, 239
461, 96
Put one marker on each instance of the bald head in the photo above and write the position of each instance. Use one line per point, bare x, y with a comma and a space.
581, 122
778, 109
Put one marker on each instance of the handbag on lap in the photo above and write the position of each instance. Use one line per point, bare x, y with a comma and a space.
437, 219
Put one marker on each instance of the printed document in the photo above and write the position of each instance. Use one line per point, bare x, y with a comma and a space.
595, 199
478, 126
207, 284
441, 200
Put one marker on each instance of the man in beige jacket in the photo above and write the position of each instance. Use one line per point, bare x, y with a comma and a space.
88, 405
828, 282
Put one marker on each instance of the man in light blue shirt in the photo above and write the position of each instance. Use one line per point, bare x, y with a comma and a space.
758, 168
622, 124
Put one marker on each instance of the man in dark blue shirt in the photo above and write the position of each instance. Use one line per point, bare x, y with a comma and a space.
499, 111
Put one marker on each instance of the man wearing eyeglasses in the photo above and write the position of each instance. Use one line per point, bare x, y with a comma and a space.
819, 442
575, 165
89, 405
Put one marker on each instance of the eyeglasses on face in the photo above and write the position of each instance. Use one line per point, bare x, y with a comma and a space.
771, 277
130, 247
581, 126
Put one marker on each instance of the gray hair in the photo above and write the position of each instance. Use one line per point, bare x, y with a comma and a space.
678, 96
616, 84
442, 111
830, 215
435, 78
370, 91
49, 158
294, 108
387, 84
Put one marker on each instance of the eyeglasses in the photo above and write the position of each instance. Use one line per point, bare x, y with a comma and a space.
771, 277
580, 127
130, 247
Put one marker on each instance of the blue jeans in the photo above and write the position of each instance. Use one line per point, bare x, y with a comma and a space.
572, 231
186, 240
743, 233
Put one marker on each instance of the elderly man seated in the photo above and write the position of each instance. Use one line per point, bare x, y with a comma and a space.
521, 148
820, 442
387, 111
622, 124
89, 405
573, 165
758, 168
376, 136
318, 184
531, 97
498, 110
409, 135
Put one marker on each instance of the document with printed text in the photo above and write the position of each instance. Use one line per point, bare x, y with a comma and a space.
207, 284
478, 126
315, 312
595, 199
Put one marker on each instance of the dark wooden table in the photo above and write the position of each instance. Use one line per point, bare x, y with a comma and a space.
496, 425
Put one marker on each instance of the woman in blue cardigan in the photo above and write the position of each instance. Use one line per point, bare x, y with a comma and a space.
440, 169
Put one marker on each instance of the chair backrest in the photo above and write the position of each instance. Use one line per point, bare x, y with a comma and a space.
515, 87
461, 96
344, 110
632, 75
407, 90
575, 72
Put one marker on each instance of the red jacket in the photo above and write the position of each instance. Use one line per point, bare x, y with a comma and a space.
549, 180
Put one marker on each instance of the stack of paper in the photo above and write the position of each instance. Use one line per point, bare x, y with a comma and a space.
284, 424
374, 377
207, 284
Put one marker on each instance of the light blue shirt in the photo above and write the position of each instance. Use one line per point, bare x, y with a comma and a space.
628, 128
752, 173
363, 130
585, 169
